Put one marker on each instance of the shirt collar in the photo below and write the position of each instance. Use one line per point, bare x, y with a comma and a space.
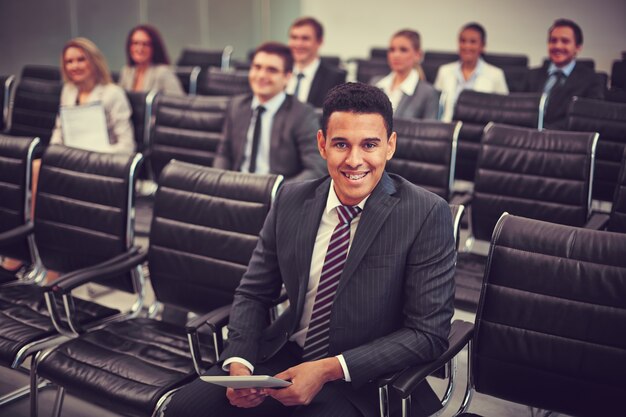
567, 69
480, 64
333, 201
272, 105
310, 70
408, 86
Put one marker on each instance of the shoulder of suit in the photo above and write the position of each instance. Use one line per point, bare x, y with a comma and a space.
406, 189
302, 190
492, 68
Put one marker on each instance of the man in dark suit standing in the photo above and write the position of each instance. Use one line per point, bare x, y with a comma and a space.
367, 262
563, 79
312, 78
270, 131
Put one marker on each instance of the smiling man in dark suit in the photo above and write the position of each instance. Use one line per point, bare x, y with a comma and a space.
312, 78
270, 131
367, 262
563, 78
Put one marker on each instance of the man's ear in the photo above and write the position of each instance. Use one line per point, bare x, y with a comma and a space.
321, 143
391, 145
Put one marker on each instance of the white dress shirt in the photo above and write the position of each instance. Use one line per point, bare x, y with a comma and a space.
328, 222
306, 81
407, 87
267, 120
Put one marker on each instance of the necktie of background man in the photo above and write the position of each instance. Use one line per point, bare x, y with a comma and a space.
256, 138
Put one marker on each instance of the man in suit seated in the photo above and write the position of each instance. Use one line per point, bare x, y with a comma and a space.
563, 78
312, 78
367, 262
270, 131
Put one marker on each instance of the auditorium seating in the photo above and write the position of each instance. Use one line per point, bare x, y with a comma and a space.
548, 328
205, 227
543, 175
7, 82
506, 60
187, 129
41, 72
425, 154
215, 82
585, 62
618, 75
609, 120
476, 109
16, 156
83, 219
369, 68
188, 77
617, 219
204, 58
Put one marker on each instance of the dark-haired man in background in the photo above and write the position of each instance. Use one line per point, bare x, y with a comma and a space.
563, 78
312, 78
367, 262
270, 131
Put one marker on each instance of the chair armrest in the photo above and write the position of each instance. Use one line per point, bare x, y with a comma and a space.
408, 380
102, 271
12, 236
597, 221
215, 320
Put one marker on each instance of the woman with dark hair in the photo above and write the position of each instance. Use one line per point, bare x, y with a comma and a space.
410, 94
470, 72
147, 65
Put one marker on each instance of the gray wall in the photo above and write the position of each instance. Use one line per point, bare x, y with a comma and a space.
34, 31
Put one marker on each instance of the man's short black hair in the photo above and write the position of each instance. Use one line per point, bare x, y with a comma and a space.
358, 98
314, 23
477, 27
578, 32
277, 48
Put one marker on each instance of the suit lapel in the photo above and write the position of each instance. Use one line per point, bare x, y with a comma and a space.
280, 118
377, 209
315, 85
240, 132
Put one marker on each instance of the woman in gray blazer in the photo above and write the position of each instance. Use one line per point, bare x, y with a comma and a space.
147, 63
410, 94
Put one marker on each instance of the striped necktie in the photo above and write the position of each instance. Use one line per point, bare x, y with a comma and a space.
317, 336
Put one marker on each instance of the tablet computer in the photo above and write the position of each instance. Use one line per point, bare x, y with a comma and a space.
251, 381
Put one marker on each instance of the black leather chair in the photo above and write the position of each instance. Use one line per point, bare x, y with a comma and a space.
83, 219
7, 83
188, 77
16, 155
369, 68
215, 82
426, 153
142, 105
609, 120
34, 109
544, 175
187, 129
205, 227
585, 62
331, 60
204, 58
476, 109
41, 72
378, 54
515, 78
506, 60
618, 75
547, 331
440, 57
617, 220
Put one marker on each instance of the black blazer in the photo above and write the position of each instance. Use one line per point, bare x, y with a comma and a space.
325, 78
582, 82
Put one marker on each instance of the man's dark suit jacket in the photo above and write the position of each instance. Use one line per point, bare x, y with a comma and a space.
326, 77
582, 82
293, 148
395, 297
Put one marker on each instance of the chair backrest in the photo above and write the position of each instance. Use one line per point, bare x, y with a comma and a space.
617, 220
331, 60
142, 104
506, 60
440, 57
378, 53
16, 156
476, 109
34, 109
205, 226
515, 78
426, 153
585, 62
544, 175
84, 211
188, 77
203, 58
41, 72
187, 129
549, 328
618, 75
609, 120
215, 82
7, 82
369, 68
457, 211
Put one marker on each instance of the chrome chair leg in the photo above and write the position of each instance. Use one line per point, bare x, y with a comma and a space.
58, 402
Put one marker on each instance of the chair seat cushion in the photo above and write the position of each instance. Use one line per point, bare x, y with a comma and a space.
124, 367
469, 279
24, 318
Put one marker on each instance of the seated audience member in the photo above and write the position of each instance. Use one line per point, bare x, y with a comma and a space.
471, 72
367, 261
147, 64
406, 86
87, 80
270, 131
563, 79
312, 79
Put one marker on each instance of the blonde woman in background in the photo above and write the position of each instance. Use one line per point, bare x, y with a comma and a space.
410, 94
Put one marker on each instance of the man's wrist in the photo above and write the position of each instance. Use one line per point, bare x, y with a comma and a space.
332, 369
